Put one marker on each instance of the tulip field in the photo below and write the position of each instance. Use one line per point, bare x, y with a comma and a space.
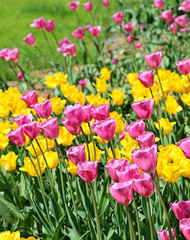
95, 121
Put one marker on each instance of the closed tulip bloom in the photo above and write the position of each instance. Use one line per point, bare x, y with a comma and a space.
146, 78
146, 158
127, 173
129, 27
83, 82
73, 5
3, 53
43, 109
164, 234
30, 98
143, 108
22, 119
77, 154
31, 130
95, 31
130, 38
147, 139
166, 15
87, 171
88, 6
17, 137
139, 45
104, 128
135, 129
74, 114
87, 27
29, 39
181, 209
181, 20
39, 23
185, 6
158, 4
153, 59
102, 112
79, 33
173, 28
20, 76
143, 184
88, 113
50, 128
183, 30
184, 144
12, 55
50, 25
184, 225
115, 61
122, 192
118, 17
184, 66
70, 50
8, 161
105, 3
72, 128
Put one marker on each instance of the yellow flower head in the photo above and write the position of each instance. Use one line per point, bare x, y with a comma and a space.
72, 167
100, 141
117, 153
51, 158
97, 100
10, 236
57, 105
166, 125
91, 149
101, 85
186, 99
171, 105
65, 137
9, 161
120, 125
52, 81
132, 78
117, 96
105, 74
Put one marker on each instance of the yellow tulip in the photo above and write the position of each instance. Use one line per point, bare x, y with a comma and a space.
166, 125
51, 158
65, 137
105, 74
8, 161
117, 96
171, 105
57, 105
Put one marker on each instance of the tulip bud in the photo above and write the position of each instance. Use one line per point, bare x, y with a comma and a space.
43, 109
29, 39
74, 114
118, 17
87, 171
146, 78
17, 136
153, 59
72, 128
30, 98
31, 130
143, 108
135, 129
50, 128
77, 154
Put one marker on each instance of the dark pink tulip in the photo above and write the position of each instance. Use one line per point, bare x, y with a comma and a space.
50, 128
147, 139
83, 82
3, 53
95, 31
12, 55
122, 192
72, 128
114, 166
50, 25
29, 39
73, 5
143, 108
30, 98
142, 27
184, 225
143, 184
118, 17
110, 51
146, 158
158, 4
78, 33
127, 173
70, 50
173, 28
87, 113
166, 15
146, 78
102, 112
75, 114
88, 6
17, 136
20, 76
31, 130
104, 128
153, 59
181, 209
87, 27
22, 119
181, 20
64, 41
183, 30
122, 135
185, 6
87, 171
130, 38
129, 27
115, 61
135, 129
164, 234
184, 144
43, 109
39, 23
184, 66
106, 3
77, 154
138, 45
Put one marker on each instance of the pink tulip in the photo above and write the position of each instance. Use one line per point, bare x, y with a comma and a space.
22, 119
127, 173
87, 27
135, 129
181, 209
50, 25
184, 66
29, 39
105, 3
63, 44
143, 184
73, 5
164, 235
104, 128
78, 33
72, 128
17, 136
185, 6
83, 82
30, 98
39, 23
88, 6
43, 109
147, 139
20, 76
146, 78
115, 61
185, 227
183, 30
95, 31
50, 128
87, 113
129, 27
122, 192
12, 55
143, 108
74, 114
173, 28
142, 27
118, 17
4, 53
184, 144
181, 20
110, 51
77, 154
87, 171
166, 15
102, 112
70, 50
146, 158
153, 59
158, 4
122, 135
130, 38
31, 130
138, 45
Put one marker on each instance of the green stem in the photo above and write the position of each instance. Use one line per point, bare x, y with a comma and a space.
94, 146
55, 38
150, 219
112, 148
45, 36
105, 150
78, 141
137, 216
130, 223
164, 100
86, 142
